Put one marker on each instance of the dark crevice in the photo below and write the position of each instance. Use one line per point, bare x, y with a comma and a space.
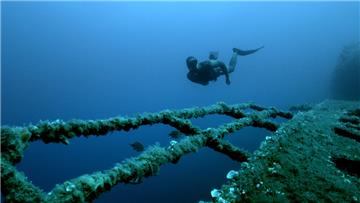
350, 125
355, 112
351, 167
347, 133
350, 119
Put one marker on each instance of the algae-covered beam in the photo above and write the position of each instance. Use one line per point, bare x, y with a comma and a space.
87, 187
60, 131
13, 143
225, 147
16, 187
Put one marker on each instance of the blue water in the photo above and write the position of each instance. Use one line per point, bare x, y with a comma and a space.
65, 60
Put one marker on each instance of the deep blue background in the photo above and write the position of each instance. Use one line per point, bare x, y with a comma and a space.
97, 60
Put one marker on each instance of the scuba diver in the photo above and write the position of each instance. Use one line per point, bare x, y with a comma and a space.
211, 69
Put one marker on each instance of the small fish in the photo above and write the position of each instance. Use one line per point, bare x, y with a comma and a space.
137, 146
175, 134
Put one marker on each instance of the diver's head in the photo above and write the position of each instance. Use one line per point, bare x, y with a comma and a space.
191, 63
213, 55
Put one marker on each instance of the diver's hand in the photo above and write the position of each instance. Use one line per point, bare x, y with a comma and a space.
228, 81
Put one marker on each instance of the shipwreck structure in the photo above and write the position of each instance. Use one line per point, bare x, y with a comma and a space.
345, 83
314, 155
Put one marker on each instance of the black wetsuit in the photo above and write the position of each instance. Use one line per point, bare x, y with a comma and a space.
207, 71
211, 69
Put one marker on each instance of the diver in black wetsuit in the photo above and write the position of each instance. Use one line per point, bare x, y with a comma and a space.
211, 69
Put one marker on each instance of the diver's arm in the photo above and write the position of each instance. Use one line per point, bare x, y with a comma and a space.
225, 72
195, 77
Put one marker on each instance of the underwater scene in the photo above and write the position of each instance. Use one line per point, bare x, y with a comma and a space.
177, 102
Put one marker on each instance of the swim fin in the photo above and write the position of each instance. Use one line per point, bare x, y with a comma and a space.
246, 52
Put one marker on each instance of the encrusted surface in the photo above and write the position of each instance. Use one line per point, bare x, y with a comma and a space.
304, 160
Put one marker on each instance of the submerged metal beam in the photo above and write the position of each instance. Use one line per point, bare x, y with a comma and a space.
88, 187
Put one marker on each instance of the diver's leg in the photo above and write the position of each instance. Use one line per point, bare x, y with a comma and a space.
232, 62
246, 52
238, 52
